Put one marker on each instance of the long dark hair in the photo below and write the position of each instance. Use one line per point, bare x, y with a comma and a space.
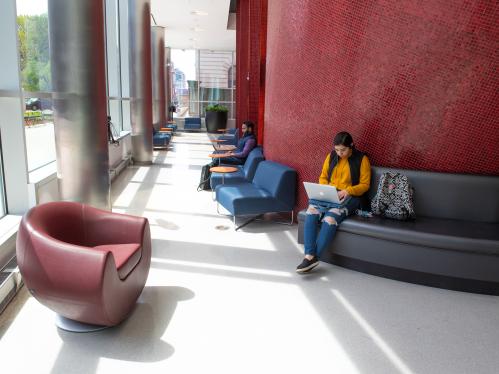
343, 138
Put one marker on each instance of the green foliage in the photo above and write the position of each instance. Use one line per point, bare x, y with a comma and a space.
34, 52
33, 113
216, 108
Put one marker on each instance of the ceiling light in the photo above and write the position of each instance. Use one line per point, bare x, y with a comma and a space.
197, 29
199, 13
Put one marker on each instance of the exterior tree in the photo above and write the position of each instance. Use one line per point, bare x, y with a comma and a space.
34, 52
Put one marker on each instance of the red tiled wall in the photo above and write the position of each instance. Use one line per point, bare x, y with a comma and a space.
416, 83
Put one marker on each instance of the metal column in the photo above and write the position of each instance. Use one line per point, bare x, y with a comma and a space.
139, 23
158, 76
77, 54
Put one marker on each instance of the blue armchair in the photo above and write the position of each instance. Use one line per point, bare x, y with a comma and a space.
231, 137
273, 189
245, 173
160, 139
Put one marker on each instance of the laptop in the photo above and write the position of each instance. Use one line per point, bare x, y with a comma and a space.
322, 192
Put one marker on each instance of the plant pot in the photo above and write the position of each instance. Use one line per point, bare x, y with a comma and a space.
215, 121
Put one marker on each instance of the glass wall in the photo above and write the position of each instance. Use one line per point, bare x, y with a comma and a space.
34, 53
118, 99
201, 78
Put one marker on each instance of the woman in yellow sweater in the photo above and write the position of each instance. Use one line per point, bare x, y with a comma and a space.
350, 172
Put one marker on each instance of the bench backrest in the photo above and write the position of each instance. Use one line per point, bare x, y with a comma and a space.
252, 161
192, 121
279, 180
453, 196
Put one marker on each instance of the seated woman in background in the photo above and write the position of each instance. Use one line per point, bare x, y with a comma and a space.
244, 146
349, 171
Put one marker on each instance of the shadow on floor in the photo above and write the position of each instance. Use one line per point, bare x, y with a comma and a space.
140, 338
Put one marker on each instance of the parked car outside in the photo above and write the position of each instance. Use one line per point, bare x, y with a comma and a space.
33, 103
36, 103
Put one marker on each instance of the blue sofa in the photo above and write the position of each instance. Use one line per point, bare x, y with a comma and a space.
192, 123
273, 189
245, 173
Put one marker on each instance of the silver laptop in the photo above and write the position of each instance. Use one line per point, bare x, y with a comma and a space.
322, 192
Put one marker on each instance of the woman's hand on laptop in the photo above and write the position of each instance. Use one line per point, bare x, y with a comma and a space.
343, 194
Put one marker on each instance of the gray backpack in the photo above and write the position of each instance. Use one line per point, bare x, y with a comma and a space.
394, 197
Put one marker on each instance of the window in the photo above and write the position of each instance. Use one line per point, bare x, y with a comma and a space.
118, 103
32, 31
201, 78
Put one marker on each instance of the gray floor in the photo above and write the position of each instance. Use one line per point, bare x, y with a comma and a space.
219, 301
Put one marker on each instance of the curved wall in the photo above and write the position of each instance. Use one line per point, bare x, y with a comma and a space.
414, 84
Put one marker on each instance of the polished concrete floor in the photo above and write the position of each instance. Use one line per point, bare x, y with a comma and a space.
220, 301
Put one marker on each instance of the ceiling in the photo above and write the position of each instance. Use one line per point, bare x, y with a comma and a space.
185, 29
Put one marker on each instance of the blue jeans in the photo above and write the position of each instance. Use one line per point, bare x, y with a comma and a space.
330, 216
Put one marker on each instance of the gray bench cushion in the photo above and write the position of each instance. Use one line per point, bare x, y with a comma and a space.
431, 232
454, 235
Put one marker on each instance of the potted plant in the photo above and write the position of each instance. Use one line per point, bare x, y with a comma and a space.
216, 117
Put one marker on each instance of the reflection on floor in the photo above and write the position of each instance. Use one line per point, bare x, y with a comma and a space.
219, 301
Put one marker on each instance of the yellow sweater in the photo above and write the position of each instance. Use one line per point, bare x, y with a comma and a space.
341, 178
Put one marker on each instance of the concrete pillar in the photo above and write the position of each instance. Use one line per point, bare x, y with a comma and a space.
158, 77
139, 53
77, 53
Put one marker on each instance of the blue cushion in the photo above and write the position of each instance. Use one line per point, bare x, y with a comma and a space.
246, 199
251, 163
279, 180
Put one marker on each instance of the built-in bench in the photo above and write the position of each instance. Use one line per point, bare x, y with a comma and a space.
453, 243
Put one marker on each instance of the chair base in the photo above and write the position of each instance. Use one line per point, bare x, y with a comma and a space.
74, 326
259, 217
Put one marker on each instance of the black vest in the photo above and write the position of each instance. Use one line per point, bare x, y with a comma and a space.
354, 162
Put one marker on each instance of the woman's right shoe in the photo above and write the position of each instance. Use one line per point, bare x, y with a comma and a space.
307, 265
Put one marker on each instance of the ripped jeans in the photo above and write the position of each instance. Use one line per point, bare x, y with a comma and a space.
330, 216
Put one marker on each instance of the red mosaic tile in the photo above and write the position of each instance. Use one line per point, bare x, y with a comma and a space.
416, 83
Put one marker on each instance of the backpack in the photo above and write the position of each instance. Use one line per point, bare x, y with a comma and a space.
204, 181
394, 197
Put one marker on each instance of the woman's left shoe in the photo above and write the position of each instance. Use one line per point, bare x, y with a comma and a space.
307, 265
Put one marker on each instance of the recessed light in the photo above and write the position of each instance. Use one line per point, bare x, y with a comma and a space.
199, 13
197, 29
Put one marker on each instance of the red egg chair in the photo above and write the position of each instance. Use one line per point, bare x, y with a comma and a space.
86, 264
